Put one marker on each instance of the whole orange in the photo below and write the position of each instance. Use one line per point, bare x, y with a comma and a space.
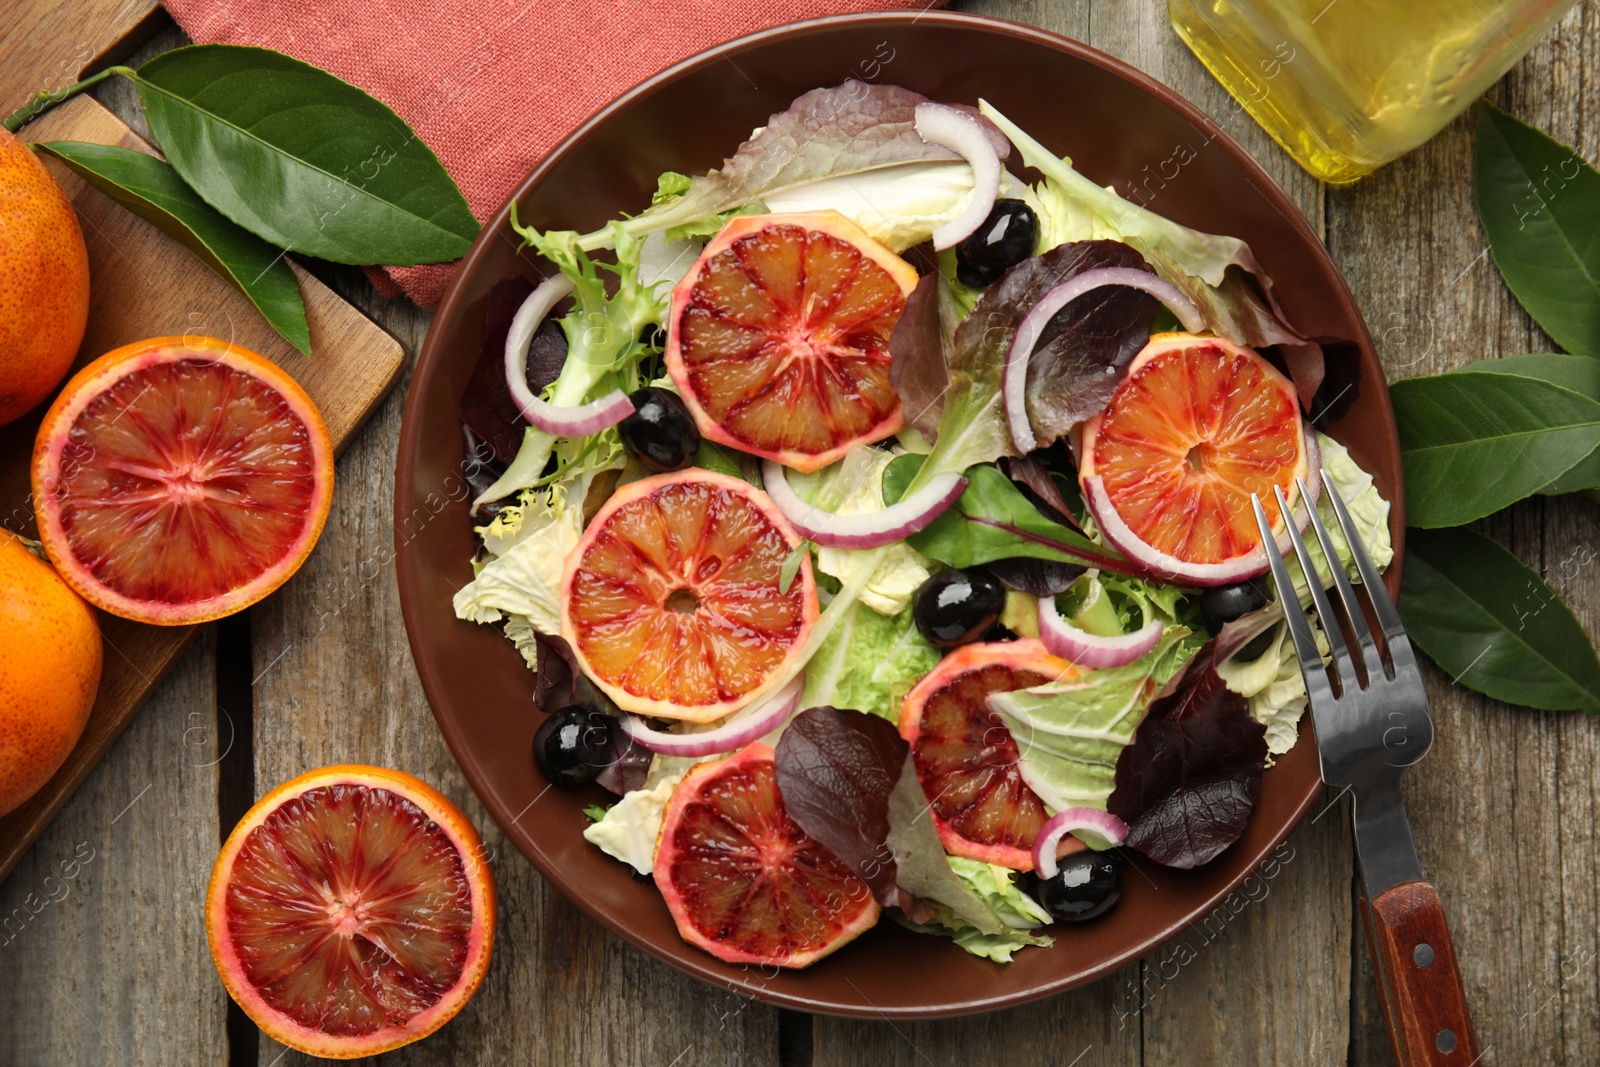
44, 281
49, 670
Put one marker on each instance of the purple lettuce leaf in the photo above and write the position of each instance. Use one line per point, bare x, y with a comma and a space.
835, 771
486, 406
1039, 577
1188, 782
918, 351
1084, 350
837, 132
628, 766
559, 682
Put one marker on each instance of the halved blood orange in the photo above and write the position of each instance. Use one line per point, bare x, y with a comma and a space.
351, 912
673, 600
181, 479
778, 337
742, 880
1168, 467
966, 758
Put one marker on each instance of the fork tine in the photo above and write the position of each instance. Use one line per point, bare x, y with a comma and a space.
1330, 622
1388, 615
1305, 642
1347, 594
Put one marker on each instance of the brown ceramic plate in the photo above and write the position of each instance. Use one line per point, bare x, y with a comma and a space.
1115, 123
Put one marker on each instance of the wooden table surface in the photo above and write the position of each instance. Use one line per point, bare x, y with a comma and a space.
103, 950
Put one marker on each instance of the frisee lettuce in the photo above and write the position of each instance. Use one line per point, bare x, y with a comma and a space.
604, 351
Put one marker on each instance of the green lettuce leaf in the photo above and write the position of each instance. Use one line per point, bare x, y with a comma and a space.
1070, 733
1220, 274
868, 663
996, 886
853, 148
604, 350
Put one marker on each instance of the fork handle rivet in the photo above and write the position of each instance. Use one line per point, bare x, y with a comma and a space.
1423, 954
1446, 1041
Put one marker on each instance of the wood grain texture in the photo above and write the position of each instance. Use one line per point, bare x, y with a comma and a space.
47, 44
1502, 809
144, 284
102, 947
335, 682
1411, 950
1266, 982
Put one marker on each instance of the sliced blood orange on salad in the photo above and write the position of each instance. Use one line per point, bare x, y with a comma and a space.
966, 758
181, 479
778, 337
351, 912
743, 881
1168, 467
674, 601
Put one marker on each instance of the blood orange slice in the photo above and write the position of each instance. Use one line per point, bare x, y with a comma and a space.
674, 603
181, 479
965, 757
778, 337
1168, 467
351, 912
743, 881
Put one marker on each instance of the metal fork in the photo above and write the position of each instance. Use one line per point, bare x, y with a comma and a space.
1372, 723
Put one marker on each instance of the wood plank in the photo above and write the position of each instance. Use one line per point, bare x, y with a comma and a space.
1265, 984
1267, 981
47, 44
1503, 809
101, 936
337, 683
144, 284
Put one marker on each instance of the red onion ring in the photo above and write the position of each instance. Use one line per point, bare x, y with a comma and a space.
1092, 650
870, 530
1015, 383
1101, 823
746, 725
963, 134
558, 421
1160, 564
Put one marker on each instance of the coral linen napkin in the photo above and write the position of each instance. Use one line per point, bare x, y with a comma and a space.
491, 85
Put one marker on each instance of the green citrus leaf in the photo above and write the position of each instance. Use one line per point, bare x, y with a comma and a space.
1539, 203
1475, 443
1494, 624
1581, 374
152, 190
301, 158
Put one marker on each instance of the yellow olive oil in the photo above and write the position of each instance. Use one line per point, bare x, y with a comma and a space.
1345, 86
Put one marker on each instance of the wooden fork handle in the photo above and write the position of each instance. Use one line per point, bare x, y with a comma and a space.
1416, 967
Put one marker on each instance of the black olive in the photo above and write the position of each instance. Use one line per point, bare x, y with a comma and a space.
660, 432
1085, 886
1222, 604
957, 607
572, 746
1005, 239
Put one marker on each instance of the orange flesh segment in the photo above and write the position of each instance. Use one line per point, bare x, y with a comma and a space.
966, 760
184, 481
786, 340
749, 877
1184, 442
676, 598
350, 910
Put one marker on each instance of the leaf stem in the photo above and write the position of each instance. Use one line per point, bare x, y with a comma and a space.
42, 101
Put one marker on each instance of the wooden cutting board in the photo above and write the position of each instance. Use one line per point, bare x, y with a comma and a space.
144, 284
